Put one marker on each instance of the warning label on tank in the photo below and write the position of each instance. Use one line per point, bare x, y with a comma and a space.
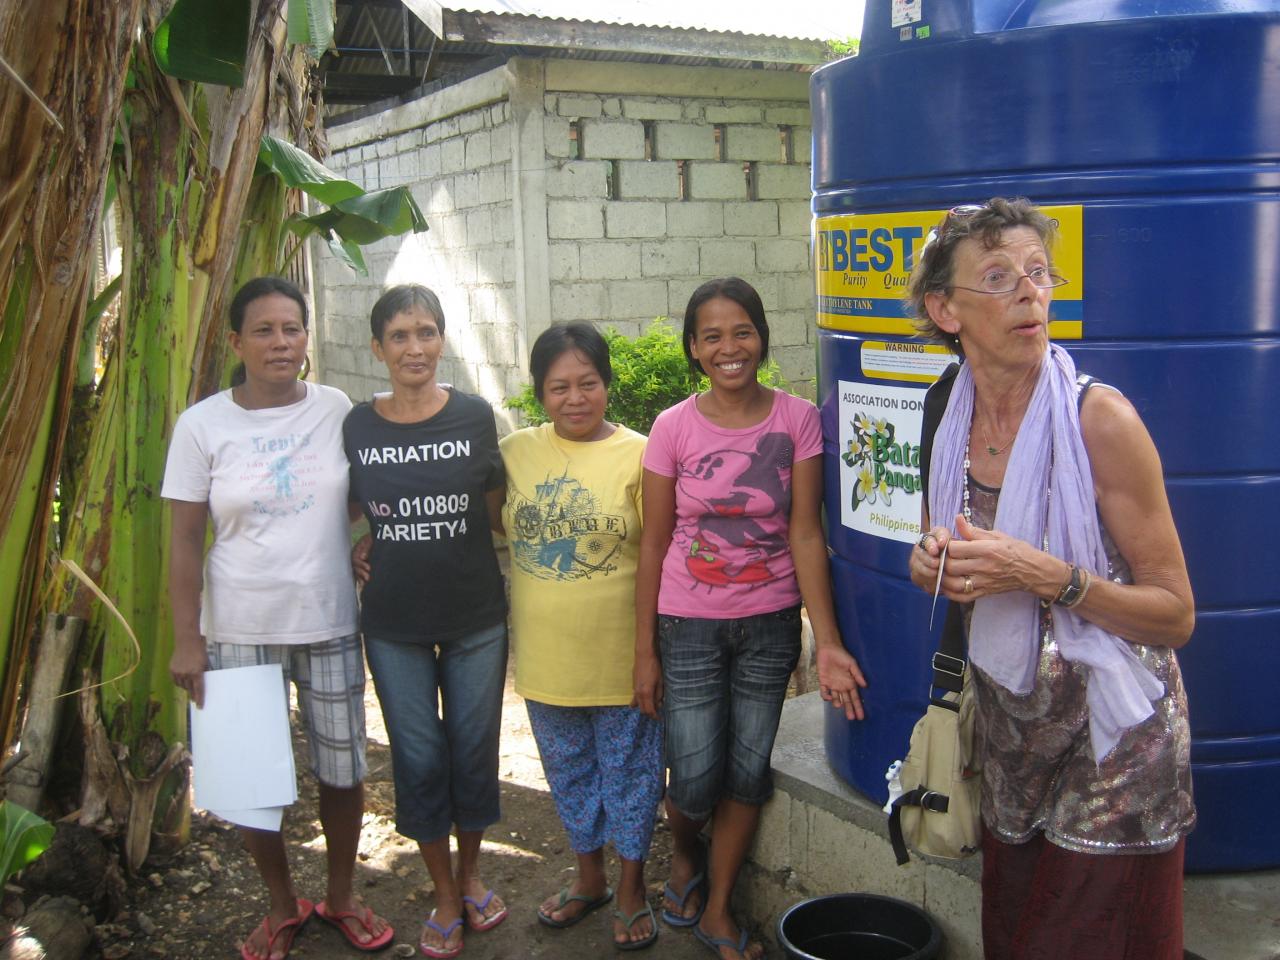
880, 459
910, 362
863, 264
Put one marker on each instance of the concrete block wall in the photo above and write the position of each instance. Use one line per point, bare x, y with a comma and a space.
555, 191
455, 157
629, 241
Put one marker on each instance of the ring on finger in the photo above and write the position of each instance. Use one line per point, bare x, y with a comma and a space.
968, 584
923, 538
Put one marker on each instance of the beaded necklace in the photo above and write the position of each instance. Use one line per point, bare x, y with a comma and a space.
968, 514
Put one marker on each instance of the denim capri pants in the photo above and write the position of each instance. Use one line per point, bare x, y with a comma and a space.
442, 705
724, 682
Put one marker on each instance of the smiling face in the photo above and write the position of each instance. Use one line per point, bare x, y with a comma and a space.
272, 341
575, 397
411, 346
726, 344
1005, 330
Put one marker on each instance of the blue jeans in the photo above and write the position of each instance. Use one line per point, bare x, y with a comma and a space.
724, 682
443, 709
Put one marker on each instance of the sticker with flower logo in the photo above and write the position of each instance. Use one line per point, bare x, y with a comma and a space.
869, 434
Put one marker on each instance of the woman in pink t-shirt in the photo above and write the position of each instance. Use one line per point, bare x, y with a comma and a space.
732, 543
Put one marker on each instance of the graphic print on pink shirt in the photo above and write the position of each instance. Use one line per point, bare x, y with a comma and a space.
729, 522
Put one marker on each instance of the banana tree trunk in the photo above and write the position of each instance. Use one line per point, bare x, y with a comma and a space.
192, 152
72, 57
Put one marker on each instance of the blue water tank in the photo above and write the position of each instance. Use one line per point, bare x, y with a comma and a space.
1151, 130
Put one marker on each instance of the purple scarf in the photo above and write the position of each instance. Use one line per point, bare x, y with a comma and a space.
1048, 455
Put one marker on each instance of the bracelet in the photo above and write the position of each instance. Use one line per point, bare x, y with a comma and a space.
1084, 591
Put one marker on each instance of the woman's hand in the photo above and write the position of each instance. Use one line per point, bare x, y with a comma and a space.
360, 559
925, 557
839, 678
982, 563
187, 667
647, 678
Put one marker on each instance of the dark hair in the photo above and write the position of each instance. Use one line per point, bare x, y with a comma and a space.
398, 299
731, 288
933, 269
260, 287
557, 340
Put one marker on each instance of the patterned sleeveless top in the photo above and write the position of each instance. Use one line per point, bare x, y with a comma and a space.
1038, 769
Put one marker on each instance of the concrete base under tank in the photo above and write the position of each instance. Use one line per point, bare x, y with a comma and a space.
819, 836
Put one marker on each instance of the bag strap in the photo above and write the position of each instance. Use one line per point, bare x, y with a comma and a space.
921, 797
935, 404
949, 661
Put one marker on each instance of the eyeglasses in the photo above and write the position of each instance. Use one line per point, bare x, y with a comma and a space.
997, 282
956, 212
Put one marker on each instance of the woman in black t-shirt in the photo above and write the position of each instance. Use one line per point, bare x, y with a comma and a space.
426, 471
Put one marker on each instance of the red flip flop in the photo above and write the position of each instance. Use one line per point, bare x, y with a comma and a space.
480, 906
364, 917
288, 930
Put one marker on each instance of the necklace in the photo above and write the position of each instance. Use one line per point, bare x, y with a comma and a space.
965, 511
993, 450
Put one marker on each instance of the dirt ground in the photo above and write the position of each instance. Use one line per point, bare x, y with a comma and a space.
207, 898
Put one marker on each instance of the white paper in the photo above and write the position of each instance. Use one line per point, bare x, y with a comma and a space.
266, 818
240, 743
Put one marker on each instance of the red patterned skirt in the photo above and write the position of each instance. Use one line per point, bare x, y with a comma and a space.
1041, 902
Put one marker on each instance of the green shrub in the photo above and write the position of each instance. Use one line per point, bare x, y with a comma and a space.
650, 373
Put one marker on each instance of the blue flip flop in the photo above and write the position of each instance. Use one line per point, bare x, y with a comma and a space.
676, 918
715, 943
443, 952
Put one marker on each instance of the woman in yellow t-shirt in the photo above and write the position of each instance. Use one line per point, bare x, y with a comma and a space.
572, 517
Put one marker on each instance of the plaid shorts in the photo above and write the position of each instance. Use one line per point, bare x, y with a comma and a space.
330, 681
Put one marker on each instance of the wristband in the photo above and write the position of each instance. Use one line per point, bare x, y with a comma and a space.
1073, 590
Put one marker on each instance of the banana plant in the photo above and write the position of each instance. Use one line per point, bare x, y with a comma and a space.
353, 218
23, 837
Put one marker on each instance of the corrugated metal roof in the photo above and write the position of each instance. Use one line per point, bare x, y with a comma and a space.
384, 52
795, 19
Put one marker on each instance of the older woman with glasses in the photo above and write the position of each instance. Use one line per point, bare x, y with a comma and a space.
1048, 515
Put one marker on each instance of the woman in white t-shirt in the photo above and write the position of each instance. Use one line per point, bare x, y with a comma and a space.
263, 461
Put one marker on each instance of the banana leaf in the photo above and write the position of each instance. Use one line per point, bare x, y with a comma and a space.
205, 41
311, 25
299, 169
25, 837
366, 219
354, 218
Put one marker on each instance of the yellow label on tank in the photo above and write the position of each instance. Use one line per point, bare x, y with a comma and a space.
863, 264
